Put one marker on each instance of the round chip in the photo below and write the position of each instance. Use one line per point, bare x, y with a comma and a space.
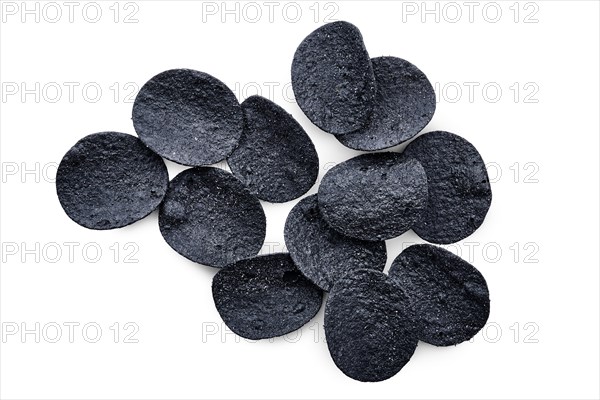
188, 117
333, 79
459, 188
450, 297
321, 253
275, 158
209, 217
369, 326
404, 105
265, 296
373, 196
109, 180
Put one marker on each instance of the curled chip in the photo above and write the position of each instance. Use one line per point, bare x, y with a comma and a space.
188, 117
369, 326
323, 254
333, 79
275, 158
373, 196
209, 217
449, 296
459, 188
265, 296
404, 105
108, 180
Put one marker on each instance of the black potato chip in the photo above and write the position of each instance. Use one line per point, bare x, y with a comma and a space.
321, 253
450, 296
265, 296
109, 180
333, 79
369, 326
188, 117
373, 196
404, 105
275, 158
209, 217
459, 188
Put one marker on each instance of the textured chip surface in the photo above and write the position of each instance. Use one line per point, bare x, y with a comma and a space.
188, 117
373, 196
321, 253
209, 217
265, 296
459, 188
369, 326
109, 179
404, 105
333, 79
275, 158
450, 296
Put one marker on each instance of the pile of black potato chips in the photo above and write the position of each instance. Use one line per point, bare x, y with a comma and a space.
438, 187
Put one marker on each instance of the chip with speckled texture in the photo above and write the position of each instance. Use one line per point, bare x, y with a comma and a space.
332, 78
265, 296
369, 326
404, 105
209, 217
373, 196
321, 253
188, 117
460, 194
450, 296
109, 180
275, 158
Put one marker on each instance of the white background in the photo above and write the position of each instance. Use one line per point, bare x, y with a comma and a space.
538, 247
